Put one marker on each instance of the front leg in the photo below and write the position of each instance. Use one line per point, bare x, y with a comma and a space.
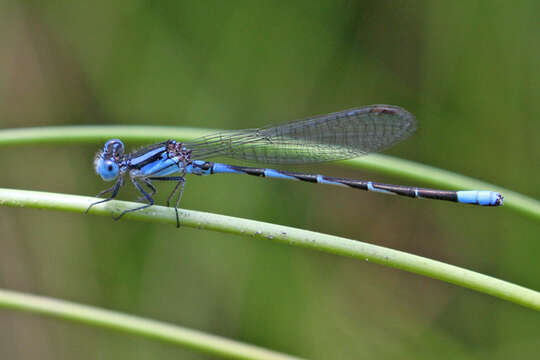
114, 189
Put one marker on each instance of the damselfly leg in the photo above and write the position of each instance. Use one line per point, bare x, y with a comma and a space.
178, 189
114, 189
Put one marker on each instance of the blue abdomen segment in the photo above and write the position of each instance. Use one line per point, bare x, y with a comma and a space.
479, 197
199, 167
218, 168
271, 173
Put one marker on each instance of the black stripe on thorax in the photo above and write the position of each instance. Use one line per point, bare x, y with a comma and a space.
133, 158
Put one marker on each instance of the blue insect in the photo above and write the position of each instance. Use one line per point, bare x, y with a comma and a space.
341, 135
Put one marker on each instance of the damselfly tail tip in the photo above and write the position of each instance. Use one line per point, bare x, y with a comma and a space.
480, 197
499, 200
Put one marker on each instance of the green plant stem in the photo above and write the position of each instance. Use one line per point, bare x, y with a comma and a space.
443, 178
309, 239
135, 325
381, 163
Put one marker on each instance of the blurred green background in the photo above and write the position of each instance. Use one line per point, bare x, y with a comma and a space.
470, 73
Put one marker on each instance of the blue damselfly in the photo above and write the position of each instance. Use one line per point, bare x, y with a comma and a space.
341, 135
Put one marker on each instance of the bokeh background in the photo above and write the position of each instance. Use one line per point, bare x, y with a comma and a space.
470, 73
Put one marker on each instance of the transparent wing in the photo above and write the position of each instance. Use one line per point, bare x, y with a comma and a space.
341, 135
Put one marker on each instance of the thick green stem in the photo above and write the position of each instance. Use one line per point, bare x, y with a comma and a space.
309, 239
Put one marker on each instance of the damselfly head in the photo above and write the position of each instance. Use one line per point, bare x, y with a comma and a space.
106, 161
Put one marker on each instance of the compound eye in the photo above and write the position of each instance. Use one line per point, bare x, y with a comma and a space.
107, 169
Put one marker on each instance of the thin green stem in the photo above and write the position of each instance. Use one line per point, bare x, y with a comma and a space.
381, 163
443, 178
89, 315
309, 239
